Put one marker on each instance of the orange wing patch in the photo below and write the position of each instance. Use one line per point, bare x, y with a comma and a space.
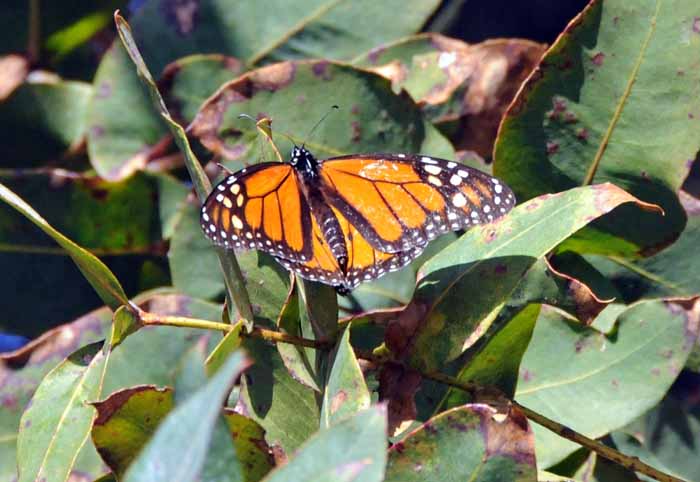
260, 207
424, 196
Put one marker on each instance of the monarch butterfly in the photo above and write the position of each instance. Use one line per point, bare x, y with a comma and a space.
349, 219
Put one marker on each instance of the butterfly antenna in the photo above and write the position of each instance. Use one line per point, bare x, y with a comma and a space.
313, 129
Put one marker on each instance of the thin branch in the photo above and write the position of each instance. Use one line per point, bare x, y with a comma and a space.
152, 319
34, 31
632, 463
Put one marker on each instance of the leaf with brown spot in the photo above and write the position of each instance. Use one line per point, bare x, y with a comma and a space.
607, 74
292, 93
464, 89
476, 442
602, 382
346, 391
126, 420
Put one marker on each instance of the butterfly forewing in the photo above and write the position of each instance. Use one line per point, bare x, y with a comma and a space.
260, 207
399, 201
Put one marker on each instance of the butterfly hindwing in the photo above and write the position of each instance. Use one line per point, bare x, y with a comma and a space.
260, 207
399, 201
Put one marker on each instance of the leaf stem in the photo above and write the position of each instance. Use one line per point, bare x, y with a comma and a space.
152, 319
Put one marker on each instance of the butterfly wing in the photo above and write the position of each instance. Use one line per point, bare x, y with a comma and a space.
260, 207
400, 201
364, 262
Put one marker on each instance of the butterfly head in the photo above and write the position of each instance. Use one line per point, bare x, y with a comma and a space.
304, 162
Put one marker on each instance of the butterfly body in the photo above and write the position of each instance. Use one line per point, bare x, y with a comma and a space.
349, 219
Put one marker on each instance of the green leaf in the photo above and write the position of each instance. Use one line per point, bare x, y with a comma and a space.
351, 450
498, 362
672, 272
294, 357
346, 391
57, 423
187, 82
490, 260
125, 422
590, 113
228, 344
123, 129
124, 323
371, 119
285, 408
178, 449
471, 442
600, 383
100, 277
43, 120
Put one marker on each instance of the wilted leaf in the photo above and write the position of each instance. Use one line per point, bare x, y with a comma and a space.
601, 382
126, 420
100, 277
252, 451
185, 434
462, 88
346, 391
351, 450
42, 121
56, 425
591, 113
397, 387
472, 442
371, 119
285, 408
489, 261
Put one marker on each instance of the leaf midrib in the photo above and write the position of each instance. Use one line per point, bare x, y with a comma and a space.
622, 101
589, 374
262, 53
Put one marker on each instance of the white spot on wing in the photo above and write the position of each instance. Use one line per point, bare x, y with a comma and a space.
432, 169
458, 200
434, 180
455, 180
